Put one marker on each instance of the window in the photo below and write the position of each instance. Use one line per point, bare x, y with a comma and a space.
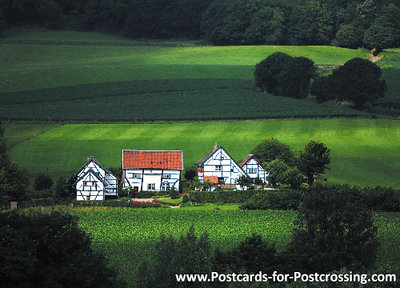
221, 180
167, 176
151, 186
218, 168
252, 171
166, 186
135, 175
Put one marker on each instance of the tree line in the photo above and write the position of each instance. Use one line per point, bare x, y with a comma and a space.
351, 24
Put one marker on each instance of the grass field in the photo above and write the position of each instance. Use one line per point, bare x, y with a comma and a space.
364, 151
127, 236
54, 75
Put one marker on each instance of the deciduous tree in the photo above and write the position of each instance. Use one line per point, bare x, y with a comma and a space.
314, 160
334, 229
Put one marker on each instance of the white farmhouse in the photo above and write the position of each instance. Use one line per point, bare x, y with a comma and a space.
151, 170
94, 182
220, 168
253, 168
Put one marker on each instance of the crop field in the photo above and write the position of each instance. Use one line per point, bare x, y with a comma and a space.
127, 236
54, 76
170, 100
364, 151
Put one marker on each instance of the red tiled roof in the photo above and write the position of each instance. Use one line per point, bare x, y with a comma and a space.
248, 158
213, 179
245, 160
142, 159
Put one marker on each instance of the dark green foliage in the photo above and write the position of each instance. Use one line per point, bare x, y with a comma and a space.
189, 254
357, 81
245, 181
267, 71
174, 194
13, 180
294, 178
190, 173
272, 149
381, 198
266, 27
324, 88
64, 188
252, 255
43, 182
281, 74
3, 147
294, 80
334, 230
40, 250
314, 160
277, 173
350, 36
276, 200
221, 196
303, 29
185, 198
385, 31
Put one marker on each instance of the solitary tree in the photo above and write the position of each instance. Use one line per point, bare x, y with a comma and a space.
314, 160
272, 149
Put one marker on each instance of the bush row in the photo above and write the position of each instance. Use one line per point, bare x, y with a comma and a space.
76, 203
231, 196
276, 200
376, 199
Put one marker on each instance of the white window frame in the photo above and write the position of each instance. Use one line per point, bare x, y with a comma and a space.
218, 167
151, 186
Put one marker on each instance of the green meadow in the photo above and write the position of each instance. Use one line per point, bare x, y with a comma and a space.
54, 76
364, 151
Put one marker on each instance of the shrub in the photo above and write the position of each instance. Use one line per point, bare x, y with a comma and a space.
189, 254
252, 255
381, 199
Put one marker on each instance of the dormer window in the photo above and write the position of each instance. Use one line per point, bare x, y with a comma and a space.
218, 168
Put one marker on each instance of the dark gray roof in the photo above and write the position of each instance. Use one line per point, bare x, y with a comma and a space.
97, 162
95, 174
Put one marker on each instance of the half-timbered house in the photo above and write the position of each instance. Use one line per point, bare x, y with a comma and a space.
152, 170
95, 182
220, 169
253, 168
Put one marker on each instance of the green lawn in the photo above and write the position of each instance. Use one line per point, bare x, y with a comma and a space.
364, 151
127, 236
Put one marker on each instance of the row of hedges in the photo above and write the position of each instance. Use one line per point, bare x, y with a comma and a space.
276, 200
376, 199
76, 203
230, 196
